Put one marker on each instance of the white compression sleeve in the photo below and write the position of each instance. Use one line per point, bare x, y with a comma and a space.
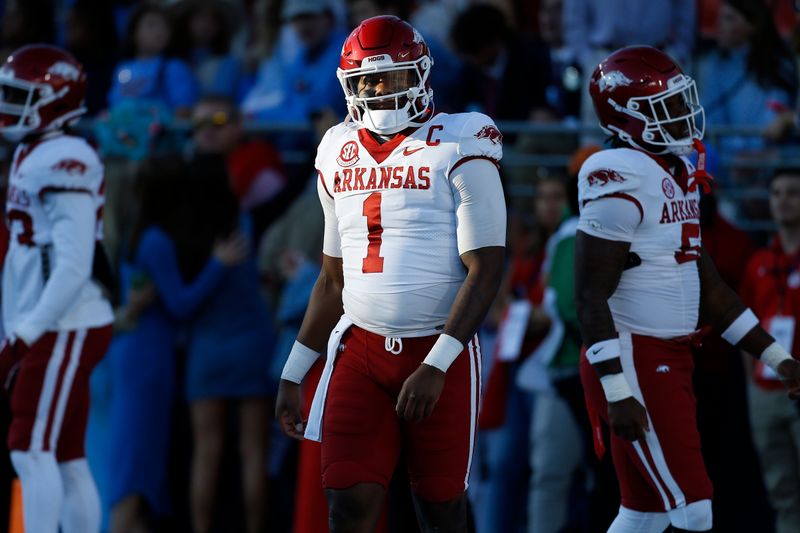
480, 205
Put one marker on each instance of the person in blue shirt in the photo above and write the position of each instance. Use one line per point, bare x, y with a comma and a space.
750, 78
229, 349
296, 87
184, 271
149, 71
203, 33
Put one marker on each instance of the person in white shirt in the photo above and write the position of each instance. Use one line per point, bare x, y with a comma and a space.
56, 318
645, 287
415, 229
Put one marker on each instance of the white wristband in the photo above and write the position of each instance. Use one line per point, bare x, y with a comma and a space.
615, 387
740, 327
603, 350
444, 352
301, 358
773, 355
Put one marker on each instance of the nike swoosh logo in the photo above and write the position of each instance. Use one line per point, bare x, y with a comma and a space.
597, 351
409, 151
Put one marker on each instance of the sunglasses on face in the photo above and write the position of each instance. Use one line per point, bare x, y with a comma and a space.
218, 119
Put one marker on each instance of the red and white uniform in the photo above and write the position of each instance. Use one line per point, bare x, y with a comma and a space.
400, 214
395, 216
53, 211
631, 196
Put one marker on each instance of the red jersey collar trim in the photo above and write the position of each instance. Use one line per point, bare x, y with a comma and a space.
380, 151
681, 177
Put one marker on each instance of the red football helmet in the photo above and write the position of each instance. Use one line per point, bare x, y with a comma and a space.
384, 70
642, 96
41, 88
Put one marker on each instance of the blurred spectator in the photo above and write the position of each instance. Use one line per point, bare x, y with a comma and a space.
26, 22
506, 413
295, 87
563, 93
771, 287
595, 28
204, 30
257, 176
230, 341
149, 71
496, 78
165, 252
751, 76
92, 38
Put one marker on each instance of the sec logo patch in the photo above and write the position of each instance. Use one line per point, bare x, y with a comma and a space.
668, 188
348, 156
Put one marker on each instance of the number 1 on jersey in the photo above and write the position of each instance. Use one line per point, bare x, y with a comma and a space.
372, 210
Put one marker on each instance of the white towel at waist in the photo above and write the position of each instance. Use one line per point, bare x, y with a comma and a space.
314, 425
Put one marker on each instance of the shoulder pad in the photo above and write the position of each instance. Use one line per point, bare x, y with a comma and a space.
478, 136
325, 143
63, 163
607, 172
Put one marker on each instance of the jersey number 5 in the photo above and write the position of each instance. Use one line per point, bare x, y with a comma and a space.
372, 210
690, 243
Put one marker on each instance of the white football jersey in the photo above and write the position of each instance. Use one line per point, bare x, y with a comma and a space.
396, 218
39, 172
661, 296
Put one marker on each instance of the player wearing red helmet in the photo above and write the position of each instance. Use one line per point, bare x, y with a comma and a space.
413, 253
645, 286
55, 316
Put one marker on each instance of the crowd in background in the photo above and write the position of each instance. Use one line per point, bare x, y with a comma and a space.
207, 114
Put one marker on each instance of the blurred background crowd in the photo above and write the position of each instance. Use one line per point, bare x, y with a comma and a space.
207, 114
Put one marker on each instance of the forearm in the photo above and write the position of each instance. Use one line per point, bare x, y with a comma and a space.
476, 295
722, 307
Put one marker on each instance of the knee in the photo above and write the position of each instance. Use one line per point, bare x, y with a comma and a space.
354, 509
696, 516
443, 516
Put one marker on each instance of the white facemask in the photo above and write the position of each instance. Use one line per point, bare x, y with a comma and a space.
386, 121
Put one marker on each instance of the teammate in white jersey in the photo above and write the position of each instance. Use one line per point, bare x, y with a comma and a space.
55, 316
413, 254
643, 287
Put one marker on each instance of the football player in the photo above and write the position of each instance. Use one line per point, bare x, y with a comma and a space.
55, 316
644, 284
413, 253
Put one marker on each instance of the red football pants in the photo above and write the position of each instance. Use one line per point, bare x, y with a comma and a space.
50, 398
665, 470
362, 435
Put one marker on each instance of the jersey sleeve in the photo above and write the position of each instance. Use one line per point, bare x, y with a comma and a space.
609, 174
73, 224
331, 243
480, 206
611, 218
478, 138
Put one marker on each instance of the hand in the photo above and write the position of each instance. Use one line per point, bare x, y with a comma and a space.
139, 298
628, 419
231, 250
11, 352
287, 410
789, 371
420, 393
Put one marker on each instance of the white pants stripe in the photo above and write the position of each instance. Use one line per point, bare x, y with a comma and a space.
474, 351
66, 386
48, 391
659, 464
